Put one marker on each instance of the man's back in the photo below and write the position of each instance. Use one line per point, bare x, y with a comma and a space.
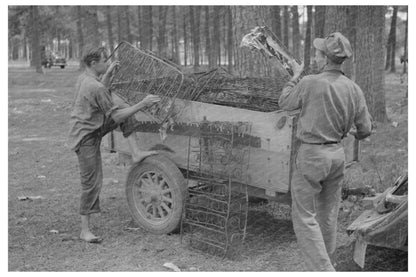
330, 104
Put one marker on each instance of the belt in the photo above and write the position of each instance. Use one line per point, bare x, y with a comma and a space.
323, 143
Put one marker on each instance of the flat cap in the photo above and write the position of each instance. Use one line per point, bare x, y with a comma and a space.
335, 46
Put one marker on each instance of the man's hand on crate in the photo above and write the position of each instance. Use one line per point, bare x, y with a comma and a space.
150, 100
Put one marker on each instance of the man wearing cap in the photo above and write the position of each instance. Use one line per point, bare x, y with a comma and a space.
330, 105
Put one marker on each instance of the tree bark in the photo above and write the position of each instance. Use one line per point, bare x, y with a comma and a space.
335, 19
150, 27
217, 35
175, 57
109, 29
70, 47
230, 39
128, 27
185, 40
295, 32
308, 39
192, 23
119, 28
36, 55
286, 26
25, 46
320, 21
80, 35
393, 40
139, 26
96, 31
145, 44
208, 46
370, 58
57, 30
91, 26
146, 30
276, 21
405, 45
161, 39
195, 22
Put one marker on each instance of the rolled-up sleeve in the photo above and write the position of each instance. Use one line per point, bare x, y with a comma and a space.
291, 97
362, 120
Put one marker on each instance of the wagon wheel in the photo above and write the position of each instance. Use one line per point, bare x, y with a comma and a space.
155, 191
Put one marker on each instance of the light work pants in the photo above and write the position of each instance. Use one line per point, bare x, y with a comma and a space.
90, 164
316, 196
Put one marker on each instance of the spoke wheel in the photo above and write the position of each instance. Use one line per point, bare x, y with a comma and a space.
155, 191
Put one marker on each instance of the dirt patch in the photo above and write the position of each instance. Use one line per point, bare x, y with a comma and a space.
43, 231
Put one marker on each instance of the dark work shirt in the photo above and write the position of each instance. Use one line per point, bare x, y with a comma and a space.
92, 104
330, 105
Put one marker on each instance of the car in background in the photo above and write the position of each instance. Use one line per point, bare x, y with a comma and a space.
52, 59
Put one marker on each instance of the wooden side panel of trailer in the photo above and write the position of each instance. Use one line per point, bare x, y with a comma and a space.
272, 141
271, 137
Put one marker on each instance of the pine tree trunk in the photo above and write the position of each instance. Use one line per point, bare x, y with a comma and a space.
128, 28
295, 32
25, 45
96, 30
208, 47
393, 40
160, 34
150, 27
388, 48
195, 35
70, 47
276, 21
109, 29
161, 39
230, 44
320, 21
14, 49
119, 26
176, 57
286, 26
217, 35
370, 58
147, 31
405, 45
91, 26
308, 40
58, 32
335, 19
139, 26
185, 40
36, 55
80, 35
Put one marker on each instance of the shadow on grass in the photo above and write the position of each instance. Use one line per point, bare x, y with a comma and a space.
264, 233
377, 259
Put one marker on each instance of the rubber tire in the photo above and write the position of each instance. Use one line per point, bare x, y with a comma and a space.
176, 181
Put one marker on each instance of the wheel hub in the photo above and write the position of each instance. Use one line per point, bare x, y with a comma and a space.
154, 195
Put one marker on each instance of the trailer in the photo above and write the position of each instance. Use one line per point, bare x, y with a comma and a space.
272, 149
218, 143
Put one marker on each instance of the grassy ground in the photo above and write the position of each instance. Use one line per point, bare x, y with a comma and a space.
43, 232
